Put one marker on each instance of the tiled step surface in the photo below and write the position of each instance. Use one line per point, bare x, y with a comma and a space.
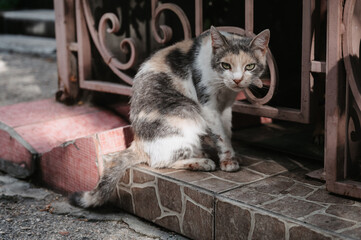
269, 198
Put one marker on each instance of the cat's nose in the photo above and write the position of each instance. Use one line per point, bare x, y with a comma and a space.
237, 81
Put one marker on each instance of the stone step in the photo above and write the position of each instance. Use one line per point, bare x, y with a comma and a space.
39, 135
269, 198
28, 22
45, 47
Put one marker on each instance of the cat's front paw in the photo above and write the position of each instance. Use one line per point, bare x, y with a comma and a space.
229, 165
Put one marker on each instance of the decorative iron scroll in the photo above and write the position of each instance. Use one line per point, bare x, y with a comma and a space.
167, 32
98, 37
351, 47
351, 54
353, 141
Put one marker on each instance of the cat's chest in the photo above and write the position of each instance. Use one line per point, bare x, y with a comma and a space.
220, 100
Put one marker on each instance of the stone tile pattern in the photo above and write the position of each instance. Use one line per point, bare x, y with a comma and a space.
269, 198
284, 204
175, 206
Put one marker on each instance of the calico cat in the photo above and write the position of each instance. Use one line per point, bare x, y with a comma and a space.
182, 99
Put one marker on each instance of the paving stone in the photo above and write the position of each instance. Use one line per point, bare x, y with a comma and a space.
274, 185
170, 195
300, 232
215, 184
10, 188
189, 176
199, 197
248, 195
6, 179
328, 222
232, 222
242, 176
268, 228
300, 175
124, 201
298, 190
289, 163
125, 180
323, 196
169, 222
292, 207
247, 160
146, 203
268, 167
346, 212
354, 233
141, 177
197, 222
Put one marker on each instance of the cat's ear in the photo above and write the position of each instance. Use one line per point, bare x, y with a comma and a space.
260, 42
218, 40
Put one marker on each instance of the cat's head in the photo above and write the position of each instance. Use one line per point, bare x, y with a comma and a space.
239, 61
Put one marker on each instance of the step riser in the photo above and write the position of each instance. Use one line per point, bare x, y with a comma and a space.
198, 214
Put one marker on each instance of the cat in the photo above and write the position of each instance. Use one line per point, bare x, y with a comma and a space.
182, 99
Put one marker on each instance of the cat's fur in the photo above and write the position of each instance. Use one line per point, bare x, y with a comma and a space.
183, 95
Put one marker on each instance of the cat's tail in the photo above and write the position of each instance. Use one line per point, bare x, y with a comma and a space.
117, 164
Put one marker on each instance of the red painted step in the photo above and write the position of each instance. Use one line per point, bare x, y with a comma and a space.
65, 142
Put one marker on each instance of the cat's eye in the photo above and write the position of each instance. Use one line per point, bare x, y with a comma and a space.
250, 67
226, 66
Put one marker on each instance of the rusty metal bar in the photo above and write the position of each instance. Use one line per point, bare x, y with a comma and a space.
107, 87
84, 51
335, 97
288, 114
65, 36
249, 16
199, 17
318, 66
306, 59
